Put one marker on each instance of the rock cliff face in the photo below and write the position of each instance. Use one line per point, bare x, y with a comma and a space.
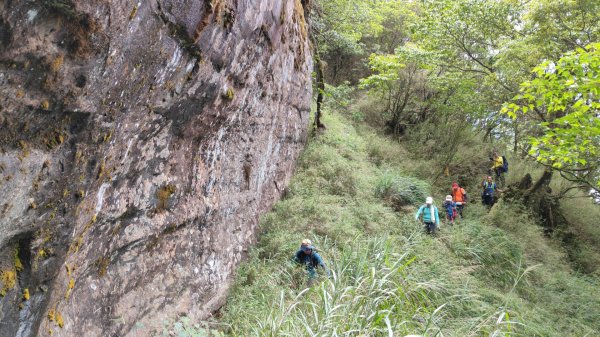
139, 143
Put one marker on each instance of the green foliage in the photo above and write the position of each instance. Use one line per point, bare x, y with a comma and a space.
338, 98
559, 26
564, 94
401, 191
347, 30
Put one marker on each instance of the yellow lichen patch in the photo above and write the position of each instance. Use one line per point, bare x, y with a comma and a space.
102, 171
70, 287
45, 105
24, 147
57, 63
89, 224
163, 194
41, 254
26, 295
78, 156
8, 280
20, 93
106, 138
54, 138
32, 205
59, 320
229, 94
102, 264
133, 12
74, 248
18, 263
42, 236
56, 317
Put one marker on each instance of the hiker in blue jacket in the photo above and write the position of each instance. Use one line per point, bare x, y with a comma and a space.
307, 255
489, 189
431, 218
450, 207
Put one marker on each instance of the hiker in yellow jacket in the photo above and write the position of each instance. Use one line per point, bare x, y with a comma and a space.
498, 168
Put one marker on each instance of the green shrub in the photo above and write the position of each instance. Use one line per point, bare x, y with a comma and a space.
369, 106
400, 191
338, 98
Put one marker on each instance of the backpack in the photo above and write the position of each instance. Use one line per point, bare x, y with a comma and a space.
504, 164
488, 189
459, 194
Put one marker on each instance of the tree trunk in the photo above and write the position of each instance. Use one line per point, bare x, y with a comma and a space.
398, 110
320, 91
544, 181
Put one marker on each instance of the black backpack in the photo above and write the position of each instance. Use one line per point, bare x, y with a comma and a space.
504, 164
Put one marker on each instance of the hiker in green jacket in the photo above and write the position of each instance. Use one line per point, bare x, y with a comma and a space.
430, 216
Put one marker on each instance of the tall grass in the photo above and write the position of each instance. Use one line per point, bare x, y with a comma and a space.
368, 294
491, 274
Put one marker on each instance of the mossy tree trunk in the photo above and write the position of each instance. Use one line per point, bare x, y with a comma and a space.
320, 90
543, 181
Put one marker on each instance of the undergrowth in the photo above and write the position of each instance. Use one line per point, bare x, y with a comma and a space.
354, 195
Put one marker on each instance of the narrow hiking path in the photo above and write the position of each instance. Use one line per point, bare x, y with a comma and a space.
354, 195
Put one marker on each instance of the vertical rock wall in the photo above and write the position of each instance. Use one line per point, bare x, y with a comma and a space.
139, 143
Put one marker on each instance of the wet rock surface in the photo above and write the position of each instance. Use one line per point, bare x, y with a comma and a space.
139, 143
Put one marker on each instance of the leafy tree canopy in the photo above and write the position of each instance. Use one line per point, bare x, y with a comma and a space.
565, 96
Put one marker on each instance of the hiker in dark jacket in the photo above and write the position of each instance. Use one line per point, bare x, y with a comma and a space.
489, 189
307, 255
429, 213
450, 207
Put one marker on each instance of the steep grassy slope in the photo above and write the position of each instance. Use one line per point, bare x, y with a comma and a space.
354, 195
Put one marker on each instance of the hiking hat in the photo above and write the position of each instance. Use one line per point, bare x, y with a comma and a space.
429, 200
454, 185
448, 198
306, 246
306, 249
